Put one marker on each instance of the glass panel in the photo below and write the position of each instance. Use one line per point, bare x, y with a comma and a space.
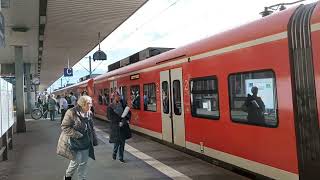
135, 96
204, 98
149, 97
165, 97
177, 97
253, 98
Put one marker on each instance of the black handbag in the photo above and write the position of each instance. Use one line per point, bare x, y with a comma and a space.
126, 131
80, 143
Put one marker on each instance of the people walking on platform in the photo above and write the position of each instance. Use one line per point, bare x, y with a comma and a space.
58, 104
63, 106
73, 100
78, 138
52, 106
120, 130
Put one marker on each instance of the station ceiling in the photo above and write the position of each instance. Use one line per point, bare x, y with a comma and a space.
58, 30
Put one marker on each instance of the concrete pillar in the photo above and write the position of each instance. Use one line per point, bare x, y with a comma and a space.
21, 124
28, 84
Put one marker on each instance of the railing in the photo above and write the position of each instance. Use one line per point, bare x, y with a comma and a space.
6, 118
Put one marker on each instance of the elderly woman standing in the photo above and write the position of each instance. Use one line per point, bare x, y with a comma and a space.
78, 138
118, 134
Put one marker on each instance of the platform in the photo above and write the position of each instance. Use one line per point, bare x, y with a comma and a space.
34, 158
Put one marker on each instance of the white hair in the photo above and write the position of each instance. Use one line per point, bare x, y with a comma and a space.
83, 100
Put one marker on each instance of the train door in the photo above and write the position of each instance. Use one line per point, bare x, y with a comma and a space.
173, 127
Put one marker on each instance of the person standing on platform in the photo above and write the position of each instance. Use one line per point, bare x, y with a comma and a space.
52, 106
120, 130
78, 138
73, 100
63, 106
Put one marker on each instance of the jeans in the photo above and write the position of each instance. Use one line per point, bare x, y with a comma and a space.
80, 163
118, 145
52, 113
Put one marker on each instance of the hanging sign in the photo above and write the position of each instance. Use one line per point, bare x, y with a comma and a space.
67, 72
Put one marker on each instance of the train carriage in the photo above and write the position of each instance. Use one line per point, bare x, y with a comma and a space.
194, 96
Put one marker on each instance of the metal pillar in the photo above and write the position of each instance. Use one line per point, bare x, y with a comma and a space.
21, 124
28, 84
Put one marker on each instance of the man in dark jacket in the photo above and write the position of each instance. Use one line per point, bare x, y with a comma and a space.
118, 134
255, 108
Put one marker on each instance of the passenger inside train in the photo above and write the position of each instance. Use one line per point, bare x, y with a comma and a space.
255, 107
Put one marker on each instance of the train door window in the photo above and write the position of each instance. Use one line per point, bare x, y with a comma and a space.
135, 96
204, 97
106, 95
123, 93
100, 97
165, 97
149, 97
177, 97
253, 98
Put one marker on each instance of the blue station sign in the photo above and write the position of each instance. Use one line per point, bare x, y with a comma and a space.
67, 72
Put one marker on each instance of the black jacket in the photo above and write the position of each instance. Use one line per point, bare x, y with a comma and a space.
118, 133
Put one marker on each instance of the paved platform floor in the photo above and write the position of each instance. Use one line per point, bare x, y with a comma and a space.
34, 158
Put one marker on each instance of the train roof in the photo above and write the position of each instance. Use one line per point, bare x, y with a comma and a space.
266, 26
80, 84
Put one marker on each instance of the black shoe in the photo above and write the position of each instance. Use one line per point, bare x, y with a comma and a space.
114, 156
121, 160
67, 178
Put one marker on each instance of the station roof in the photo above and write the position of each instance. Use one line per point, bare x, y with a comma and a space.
60, 30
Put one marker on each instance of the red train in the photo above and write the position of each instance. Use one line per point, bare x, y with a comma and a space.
197, 97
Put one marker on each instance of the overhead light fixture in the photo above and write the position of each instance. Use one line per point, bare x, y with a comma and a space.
41, 38
40, 48
43, 19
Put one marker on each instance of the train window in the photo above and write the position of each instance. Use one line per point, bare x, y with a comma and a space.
100, 97
123, 93
106, 94
135, 96
177, 97
204, 97
149, 97
165, 97
253, 98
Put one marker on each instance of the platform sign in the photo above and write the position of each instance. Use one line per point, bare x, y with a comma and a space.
10, 103
67, 72
6, 106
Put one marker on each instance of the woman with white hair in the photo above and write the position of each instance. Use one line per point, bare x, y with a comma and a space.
78, 138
